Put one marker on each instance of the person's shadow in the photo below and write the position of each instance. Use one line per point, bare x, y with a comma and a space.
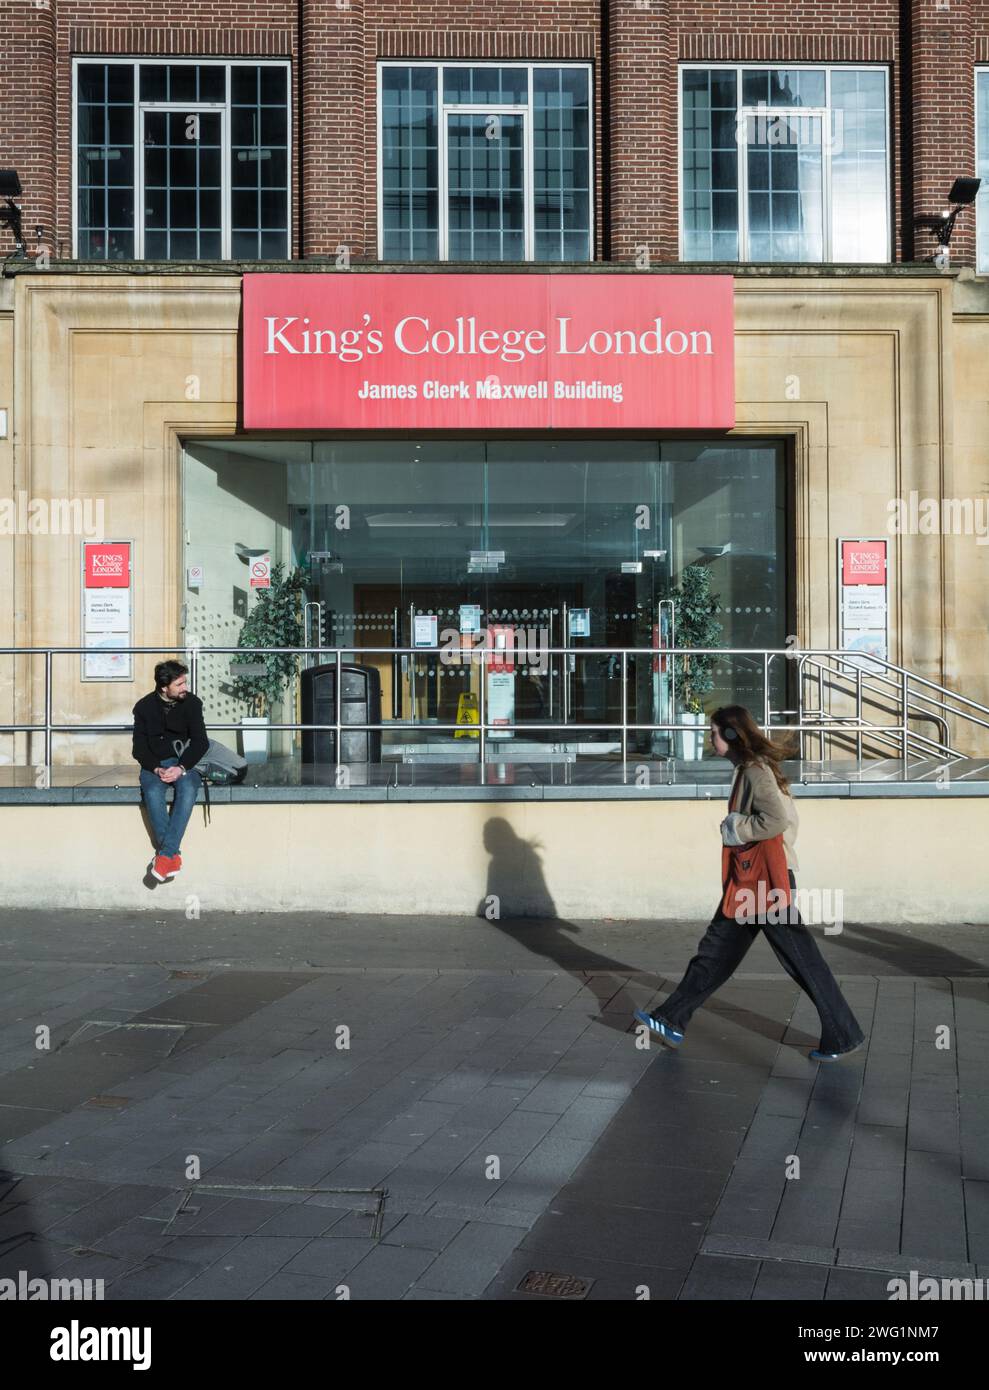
22, 1248
518, 902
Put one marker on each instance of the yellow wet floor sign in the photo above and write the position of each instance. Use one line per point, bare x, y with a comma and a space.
467, 713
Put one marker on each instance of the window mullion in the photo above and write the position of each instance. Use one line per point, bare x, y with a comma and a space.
743, 173
827, 210
139, 213
444, 181
528, 175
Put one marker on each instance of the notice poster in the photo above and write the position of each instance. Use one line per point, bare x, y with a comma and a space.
580, 622
107, 611
108, 665
868, 644
863, 601
501, 703
470, 617
261, 572
425, 630
864, 607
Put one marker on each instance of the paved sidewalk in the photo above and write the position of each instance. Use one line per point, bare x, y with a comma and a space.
436, 1108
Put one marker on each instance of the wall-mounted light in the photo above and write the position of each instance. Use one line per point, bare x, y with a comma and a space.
963, 192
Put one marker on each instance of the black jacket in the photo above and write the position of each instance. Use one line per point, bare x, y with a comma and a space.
156, 725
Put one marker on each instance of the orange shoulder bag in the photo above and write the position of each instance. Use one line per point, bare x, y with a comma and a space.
754, 877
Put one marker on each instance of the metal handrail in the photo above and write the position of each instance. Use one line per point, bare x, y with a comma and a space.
817, 722
909, 700
876, 698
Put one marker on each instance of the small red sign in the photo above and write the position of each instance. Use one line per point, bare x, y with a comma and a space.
863, 562
107, 564
261, 572
501, 639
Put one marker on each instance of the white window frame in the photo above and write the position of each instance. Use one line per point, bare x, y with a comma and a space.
981, 70
444, 108
811, 111
192, 107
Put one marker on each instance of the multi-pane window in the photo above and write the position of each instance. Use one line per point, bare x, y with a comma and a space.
982, 169
485, 162
784, 164
182, 160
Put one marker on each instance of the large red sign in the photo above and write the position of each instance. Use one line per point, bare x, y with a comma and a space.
107, 564
359, 350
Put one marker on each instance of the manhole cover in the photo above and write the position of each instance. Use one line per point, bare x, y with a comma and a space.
551, 1285
187, 975
109, 1102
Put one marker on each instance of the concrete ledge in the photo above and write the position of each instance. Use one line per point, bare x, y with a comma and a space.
302, 796
659, 858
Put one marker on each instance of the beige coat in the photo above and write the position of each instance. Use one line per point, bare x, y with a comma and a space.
761, 811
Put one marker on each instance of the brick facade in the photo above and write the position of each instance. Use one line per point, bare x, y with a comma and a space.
929, 46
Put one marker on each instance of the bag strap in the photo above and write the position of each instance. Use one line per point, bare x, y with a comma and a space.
206, 803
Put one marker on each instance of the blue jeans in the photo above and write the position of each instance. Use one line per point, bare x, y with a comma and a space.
169, 829
720, 953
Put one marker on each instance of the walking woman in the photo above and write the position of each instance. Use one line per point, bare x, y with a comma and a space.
758, 885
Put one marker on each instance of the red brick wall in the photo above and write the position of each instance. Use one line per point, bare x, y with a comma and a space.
943, 113
27, 112
636, 163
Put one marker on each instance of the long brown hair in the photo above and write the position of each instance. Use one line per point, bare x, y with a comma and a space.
749, 744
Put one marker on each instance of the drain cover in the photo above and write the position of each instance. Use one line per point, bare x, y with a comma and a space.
187, 975
109, 1102
552, 1285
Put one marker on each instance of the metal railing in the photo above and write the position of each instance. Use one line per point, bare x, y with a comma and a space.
873, 682
851, 676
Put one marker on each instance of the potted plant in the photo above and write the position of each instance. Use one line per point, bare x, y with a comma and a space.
696, 626
274, 621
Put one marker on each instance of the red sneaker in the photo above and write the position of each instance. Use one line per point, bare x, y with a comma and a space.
162, 869
176, 863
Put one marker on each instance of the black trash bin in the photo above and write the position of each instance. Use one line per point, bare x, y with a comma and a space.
360, 703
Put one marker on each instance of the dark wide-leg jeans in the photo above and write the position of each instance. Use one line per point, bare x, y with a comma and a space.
721, 951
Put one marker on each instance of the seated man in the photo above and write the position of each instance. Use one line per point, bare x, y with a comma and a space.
169, 739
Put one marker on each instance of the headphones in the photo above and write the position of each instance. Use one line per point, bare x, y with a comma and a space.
728, 733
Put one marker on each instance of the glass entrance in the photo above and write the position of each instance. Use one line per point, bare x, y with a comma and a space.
588, 544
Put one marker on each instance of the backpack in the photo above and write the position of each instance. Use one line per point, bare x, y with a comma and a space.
219, 766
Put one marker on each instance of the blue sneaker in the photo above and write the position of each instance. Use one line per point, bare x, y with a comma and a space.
669, 1035
818, 1056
